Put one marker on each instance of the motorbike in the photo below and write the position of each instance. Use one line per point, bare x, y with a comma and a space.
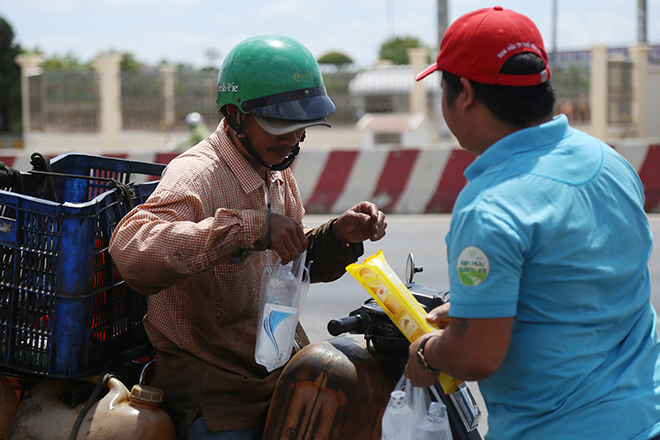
60, 332
334, 389
339, 388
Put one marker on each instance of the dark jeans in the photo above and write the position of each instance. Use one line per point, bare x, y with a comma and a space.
197, 431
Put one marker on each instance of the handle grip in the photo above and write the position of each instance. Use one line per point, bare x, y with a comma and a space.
356, 323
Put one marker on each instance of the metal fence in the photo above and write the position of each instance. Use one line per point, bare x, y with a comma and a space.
572, 86
337, 82
196, 92
619, 90
69, 101
65, 101
142, 101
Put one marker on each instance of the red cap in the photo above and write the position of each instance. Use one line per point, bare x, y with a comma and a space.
478, 44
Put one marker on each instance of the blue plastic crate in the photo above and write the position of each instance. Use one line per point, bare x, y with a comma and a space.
64, 309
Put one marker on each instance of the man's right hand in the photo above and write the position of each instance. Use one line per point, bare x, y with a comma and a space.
439, 316
286, 237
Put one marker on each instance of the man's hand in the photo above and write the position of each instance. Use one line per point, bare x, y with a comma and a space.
439, 316
286, 237
363, 221
468, 349
414, 371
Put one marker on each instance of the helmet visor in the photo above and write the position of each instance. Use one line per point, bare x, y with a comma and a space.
283, 126
299, 105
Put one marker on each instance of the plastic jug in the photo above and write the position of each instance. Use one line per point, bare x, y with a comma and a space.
135, 415
8, 404
120, 414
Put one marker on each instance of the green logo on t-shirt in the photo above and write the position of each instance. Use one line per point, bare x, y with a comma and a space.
473, 266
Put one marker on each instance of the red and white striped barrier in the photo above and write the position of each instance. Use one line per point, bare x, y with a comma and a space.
410, 181
398, 181
419, 181
645, 159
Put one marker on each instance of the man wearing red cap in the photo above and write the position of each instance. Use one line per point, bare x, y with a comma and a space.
548, 253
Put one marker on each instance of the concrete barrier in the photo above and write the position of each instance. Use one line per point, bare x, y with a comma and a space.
402, 181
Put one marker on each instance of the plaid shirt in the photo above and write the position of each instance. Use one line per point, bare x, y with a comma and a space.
191, 247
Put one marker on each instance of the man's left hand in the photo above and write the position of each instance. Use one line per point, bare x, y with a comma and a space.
414, 371
363, 221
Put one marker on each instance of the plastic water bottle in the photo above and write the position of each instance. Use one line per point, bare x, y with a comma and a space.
398, 418
436, 425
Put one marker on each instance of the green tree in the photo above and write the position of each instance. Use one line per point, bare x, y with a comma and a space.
10, 80
68, 61
212, 55
129, 64
185, 68
335, 58
395, 49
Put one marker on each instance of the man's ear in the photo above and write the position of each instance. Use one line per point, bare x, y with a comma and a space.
235, 115
467, 98
231, 110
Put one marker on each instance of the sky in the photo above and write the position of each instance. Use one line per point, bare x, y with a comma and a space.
182, 31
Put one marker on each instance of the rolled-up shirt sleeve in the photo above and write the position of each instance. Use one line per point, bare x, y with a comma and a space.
158, 243
329, 258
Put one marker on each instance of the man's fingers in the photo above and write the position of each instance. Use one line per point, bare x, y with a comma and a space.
439, 315
287, 237
379, 227
440, 312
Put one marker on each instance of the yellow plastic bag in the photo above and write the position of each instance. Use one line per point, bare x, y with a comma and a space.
378, 278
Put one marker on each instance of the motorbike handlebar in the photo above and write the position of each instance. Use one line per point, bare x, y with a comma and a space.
356, 323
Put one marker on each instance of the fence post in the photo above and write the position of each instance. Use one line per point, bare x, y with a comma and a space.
29, 67
167, 72
107, 67
639, 56
598, 92
418, 60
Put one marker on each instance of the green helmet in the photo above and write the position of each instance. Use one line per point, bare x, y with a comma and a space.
276, 77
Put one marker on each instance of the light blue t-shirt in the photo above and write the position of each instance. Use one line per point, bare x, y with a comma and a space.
551, 229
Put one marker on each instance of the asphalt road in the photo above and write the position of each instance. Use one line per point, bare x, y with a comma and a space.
424, 237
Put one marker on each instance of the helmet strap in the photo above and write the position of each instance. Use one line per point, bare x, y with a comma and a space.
245, 142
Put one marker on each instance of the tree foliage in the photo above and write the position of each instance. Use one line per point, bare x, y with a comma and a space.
335, 58
10, 80
129, 64
395, 49
212, 55
68, 61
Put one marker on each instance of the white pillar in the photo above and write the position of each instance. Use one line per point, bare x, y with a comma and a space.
419, 61
29, 67
167, 72
640, 76
598, 92
107, 67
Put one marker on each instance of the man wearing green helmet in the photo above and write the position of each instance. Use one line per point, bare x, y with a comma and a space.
197, 244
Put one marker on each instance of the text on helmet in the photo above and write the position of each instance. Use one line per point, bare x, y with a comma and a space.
231, 88
302, 76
